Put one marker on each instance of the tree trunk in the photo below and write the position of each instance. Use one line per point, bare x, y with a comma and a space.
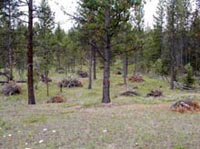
125, 62
135, 55
74, 65
90, 64
47, 81
125, 68
172, 49
10, 55
31, 96
172, 75
106, 73
94, 63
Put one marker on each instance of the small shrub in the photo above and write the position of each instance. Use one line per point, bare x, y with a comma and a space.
160, 68
188, 78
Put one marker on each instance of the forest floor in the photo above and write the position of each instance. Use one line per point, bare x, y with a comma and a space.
137, 122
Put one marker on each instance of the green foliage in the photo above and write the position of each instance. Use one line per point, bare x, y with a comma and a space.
45, 37
188, 79
135, 2
160, 68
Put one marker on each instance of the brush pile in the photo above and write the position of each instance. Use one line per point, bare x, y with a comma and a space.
56, 99
11, 88
185, 105
155, 93
136, 78
129, 93
82, 74
70, 82
60, 70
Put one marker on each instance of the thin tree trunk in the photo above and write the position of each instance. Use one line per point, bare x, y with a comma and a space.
125, 63
172, 66
125, 68
59, 60
90, 64
135, 62
81, 63
172, 50
31, 96
47, 81
172, 75
47, 85
9, 45
106, 73
161, 44
94, 63
74, 65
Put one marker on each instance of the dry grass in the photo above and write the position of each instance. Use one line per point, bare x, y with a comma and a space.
102, 126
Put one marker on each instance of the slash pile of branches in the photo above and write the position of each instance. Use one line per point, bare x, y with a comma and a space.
11, 88
70, 82
56, 99
185, 105
136, 78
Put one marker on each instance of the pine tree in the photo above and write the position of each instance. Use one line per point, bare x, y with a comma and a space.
9, 14
171, 30
108, 18
31, 95
46, 24
159, 30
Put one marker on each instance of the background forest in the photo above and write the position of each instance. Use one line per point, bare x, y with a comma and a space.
105, 34
116, 79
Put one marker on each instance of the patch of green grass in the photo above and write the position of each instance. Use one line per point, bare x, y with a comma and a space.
90, 104
4, 125
35, 119
179, 147
67, 112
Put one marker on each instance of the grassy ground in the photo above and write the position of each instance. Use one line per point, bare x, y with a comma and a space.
83, 122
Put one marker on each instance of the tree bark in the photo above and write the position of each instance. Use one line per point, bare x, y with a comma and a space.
125, 62
94, 63
31, 96
125, 68
106, 73
172, 48
135, 55
10, 53
90, 64
47, 81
